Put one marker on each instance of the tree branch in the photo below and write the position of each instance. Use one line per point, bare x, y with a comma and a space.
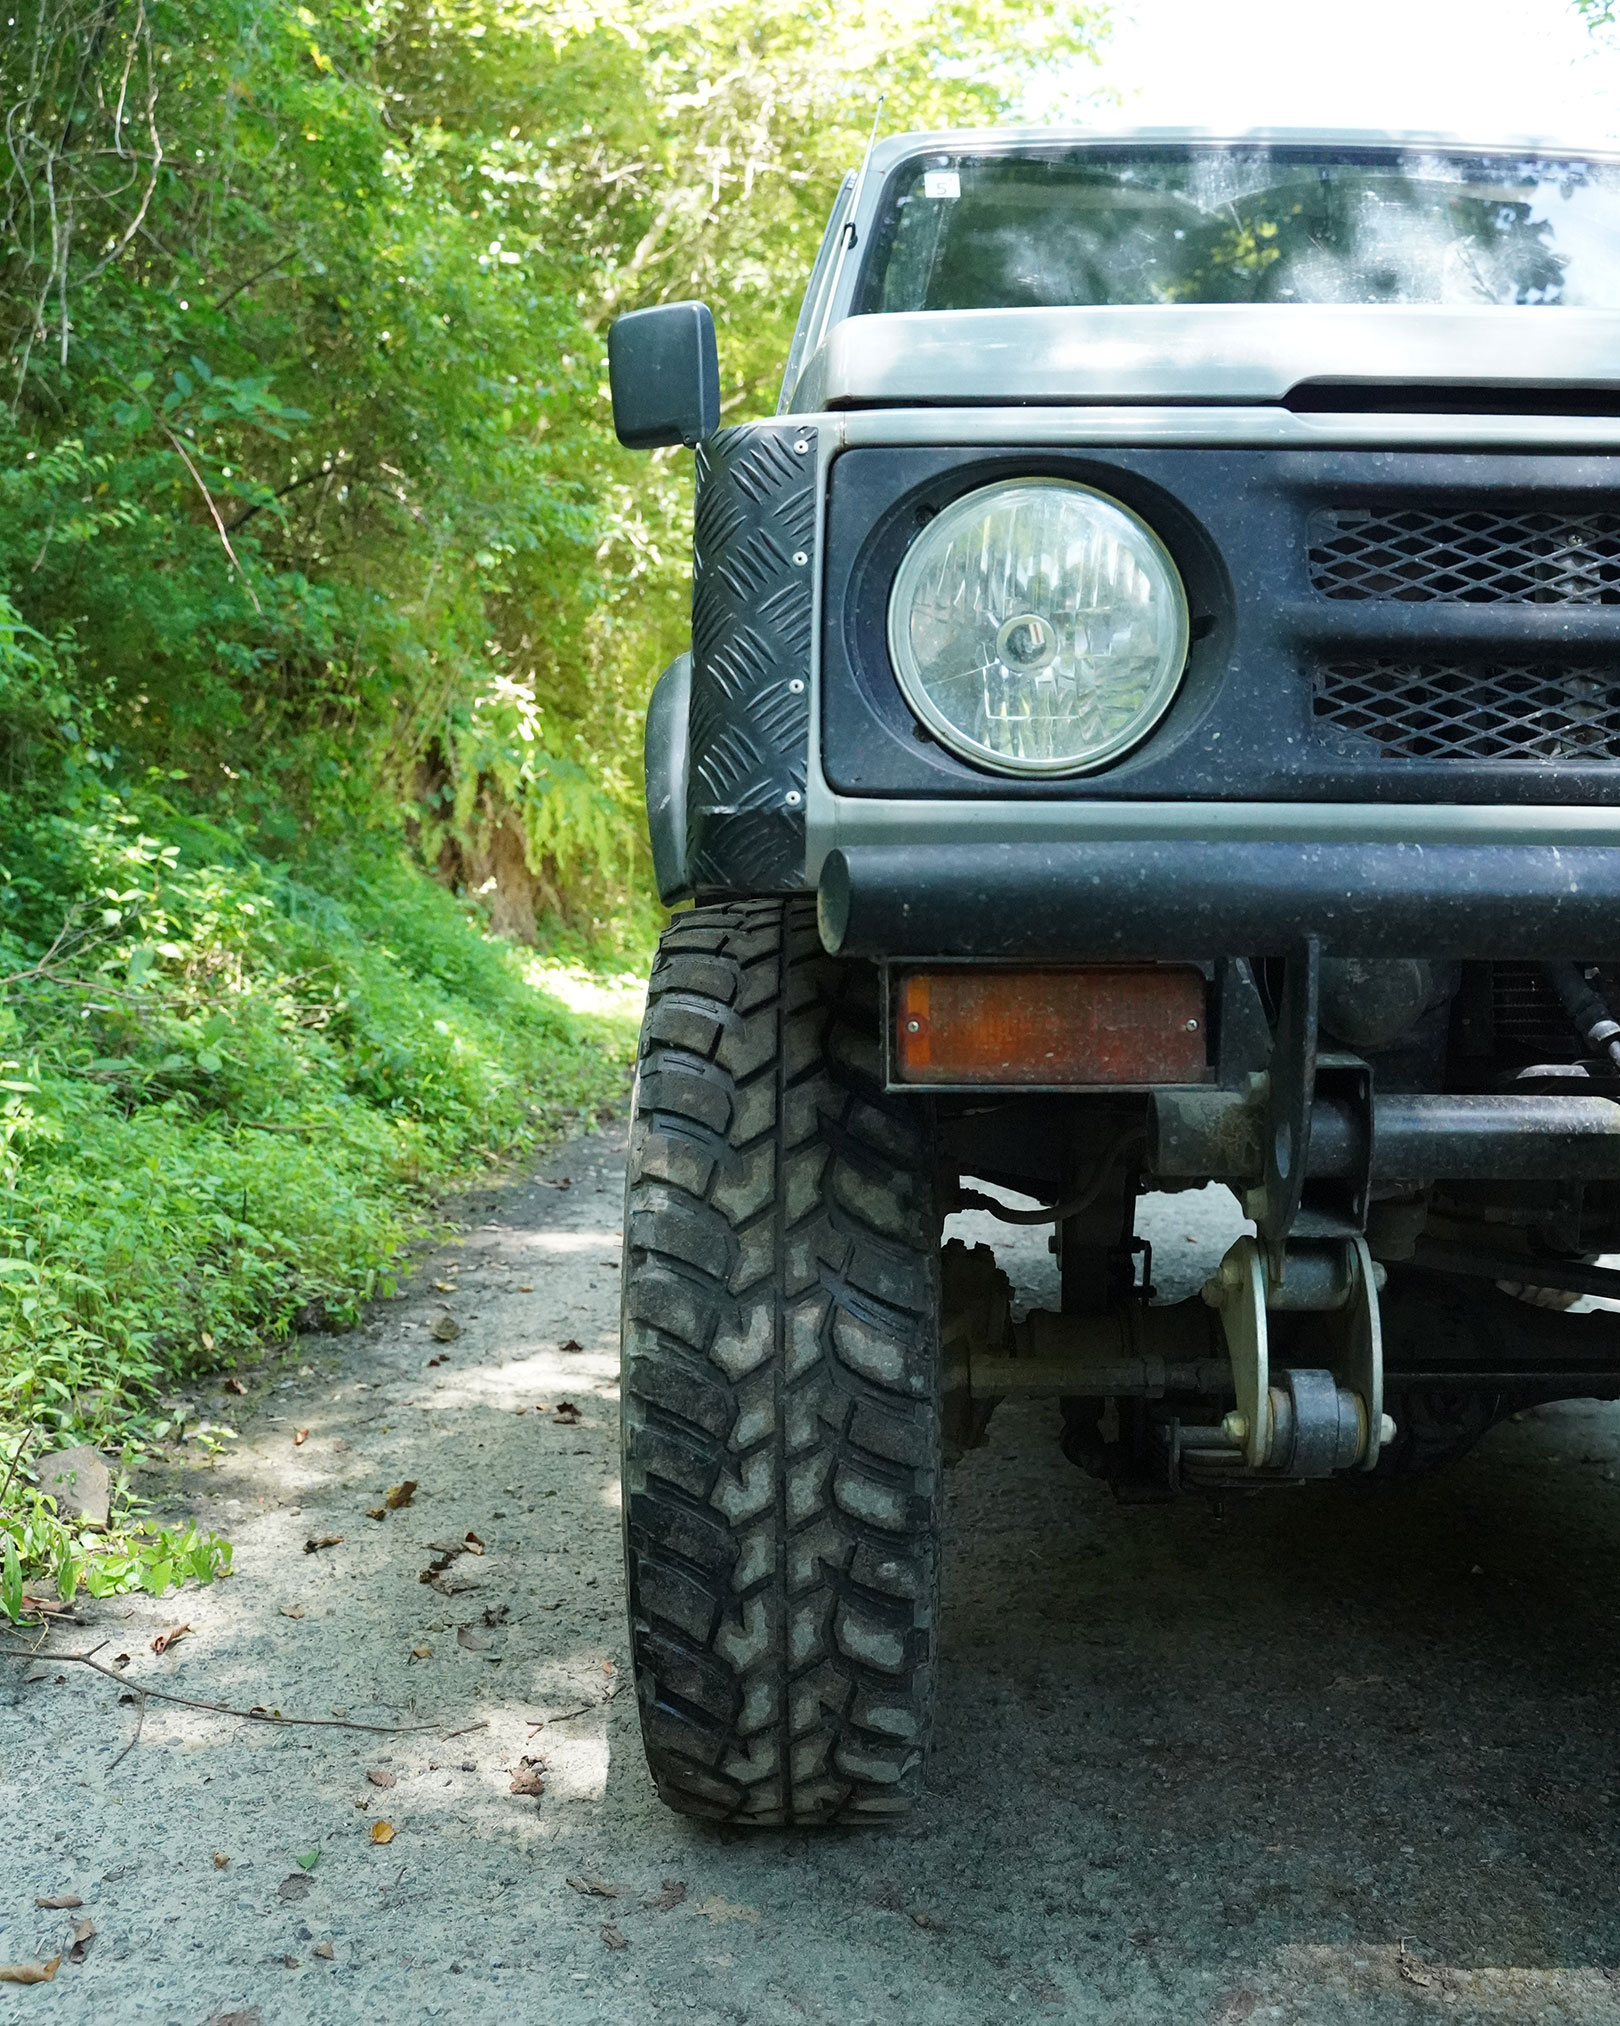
255, 1715
224, 535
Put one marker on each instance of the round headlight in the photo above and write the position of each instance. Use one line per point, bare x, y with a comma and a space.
1038, 627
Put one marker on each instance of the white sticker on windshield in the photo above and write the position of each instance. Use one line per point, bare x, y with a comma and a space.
942, 184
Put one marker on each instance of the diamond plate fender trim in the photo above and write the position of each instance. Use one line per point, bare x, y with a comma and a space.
753, 579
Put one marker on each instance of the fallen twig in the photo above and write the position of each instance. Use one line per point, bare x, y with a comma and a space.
481, 1725
584, 1709
140, 1720
256, 1715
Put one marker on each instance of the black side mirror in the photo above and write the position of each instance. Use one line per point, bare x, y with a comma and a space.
664, 370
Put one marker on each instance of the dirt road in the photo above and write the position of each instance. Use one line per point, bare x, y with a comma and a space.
1328, 1757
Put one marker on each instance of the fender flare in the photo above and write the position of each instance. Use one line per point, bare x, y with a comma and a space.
667, 754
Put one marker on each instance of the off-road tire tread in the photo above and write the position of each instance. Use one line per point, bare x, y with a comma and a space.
780, 1383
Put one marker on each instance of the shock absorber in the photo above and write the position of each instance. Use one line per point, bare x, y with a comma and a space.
1585, 1005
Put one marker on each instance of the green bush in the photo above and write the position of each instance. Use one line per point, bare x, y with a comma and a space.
227, 1095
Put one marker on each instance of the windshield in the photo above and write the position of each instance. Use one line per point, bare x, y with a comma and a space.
1244, 224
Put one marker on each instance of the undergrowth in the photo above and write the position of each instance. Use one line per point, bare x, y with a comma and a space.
230, 1090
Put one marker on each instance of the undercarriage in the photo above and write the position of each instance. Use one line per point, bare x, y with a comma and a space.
1430, 1157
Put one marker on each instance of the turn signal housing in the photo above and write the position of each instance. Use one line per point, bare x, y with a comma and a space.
1076, 1028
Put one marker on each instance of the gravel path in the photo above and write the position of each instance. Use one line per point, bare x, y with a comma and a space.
1329, 1757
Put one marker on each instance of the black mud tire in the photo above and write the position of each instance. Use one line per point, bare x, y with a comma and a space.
781, 1383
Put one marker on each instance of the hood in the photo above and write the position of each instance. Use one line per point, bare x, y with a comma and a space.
1206, 353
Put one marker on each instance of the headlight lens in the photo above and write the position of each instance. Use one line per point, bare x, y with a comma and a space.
1038, 627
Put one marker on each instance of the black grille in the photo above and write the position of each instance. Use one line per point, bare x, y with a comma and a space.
1468, 556
1530, 1023
1435, 711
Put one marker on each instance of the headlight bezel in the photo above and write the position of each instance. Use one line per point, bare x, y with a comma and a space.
1164, 688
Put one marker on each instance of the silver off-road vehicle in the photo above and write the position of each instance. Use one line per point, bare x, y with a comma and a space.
1153, 718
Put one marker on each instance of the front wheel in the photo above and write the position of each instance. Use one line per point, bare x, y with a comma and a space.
780, 1382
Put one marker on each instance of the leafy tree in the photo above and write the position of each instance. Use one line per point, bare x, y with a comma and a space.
309, 477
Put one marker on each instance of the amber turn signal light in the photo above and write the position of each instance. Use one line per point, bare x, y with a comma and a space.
1075, 1028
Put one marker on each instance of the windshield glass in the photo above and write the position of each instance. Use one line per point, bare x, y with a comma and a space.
1244, 224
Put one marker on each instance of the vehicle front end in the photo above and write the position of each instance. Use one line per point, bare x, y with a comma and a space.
1170, 628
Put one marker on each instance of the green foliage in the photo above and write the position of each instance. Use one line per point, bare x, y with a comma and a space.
306, 467
227, 1094
221, 1090
320, 572
43, 1556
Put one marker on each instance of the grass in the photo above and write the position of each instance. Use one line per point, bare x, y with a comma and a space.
230, 1094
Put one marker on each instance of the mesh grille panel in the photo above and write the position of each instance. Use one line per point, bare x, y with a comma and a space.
1435, 711
1531, 1025
1470, 556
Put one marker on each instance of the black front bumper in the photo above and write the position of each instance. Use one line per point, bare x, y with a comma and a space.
1178, 899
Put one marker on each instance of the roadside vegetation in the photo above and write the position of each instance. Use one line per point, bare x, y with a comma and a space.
328, 608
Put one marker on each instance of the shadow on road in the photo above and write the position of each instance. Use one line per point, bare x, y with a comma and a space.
1280, 1742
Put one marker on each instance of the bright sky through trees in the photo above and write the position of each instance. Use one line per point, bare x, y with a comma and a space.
1480, 67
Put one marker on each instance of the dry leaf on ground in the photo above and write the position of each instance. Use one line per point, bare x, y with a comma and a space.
529, 1778
220, 1860
573, 1344
376, 1512
717, 1909
235, 1386
382, 1832
316, 1542
29, 1973
165, 1640
613, 1937
398, 1495
421, 1652
446, 1329
292, 1611
325, 1951
444, 1553
525, 1287
84, 1933
300, 1437
379, 1776
473, 1641
56, 1901
593, 1888
566, 1412
671, 1893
